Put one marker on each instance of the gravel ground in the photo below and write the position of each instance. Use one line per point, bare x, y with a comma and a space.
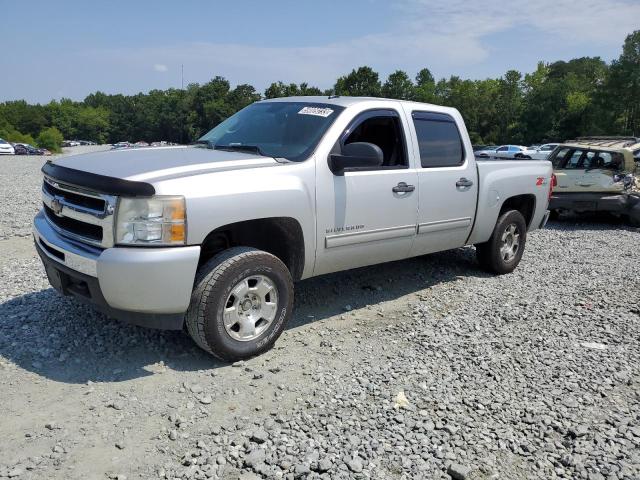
20, 184
426, 368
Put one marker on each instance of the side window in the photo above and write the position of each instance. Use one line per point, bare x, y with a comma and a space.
546, 148
573, 162
502, 149
591, 160
557, 158
513, 149
383, 129
615, 162
439, 140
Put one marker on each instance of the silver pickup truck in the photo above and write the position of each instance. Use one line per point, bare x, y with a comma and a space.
212, 236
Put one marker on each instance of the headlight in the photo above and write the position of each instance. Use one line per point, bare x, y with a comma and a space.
151, 221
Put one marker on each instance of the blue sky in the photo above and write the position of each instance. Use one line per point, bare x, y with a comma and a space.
72, 48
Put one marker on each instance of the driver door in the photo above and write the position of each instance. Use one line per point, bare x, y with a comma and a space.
363, 217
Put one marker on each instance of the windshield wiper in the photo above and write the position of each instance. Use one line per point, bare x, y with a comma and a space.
241, 148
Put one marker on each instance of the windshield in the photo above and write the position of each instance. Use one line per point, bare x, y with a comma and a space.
288, 130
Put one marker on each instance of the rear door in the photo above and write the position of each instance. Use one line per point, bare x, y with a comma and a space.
447, 180
601, 172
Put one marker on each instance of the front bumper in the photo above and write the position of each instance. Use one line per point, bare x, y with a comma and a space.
146, 286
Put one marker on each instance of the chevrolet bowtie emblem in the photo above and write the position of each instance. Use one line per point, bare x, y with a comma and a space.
56, 206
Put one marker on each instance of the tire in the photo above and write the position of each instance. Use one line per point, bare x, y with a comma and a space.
246, 286
554, 215
634, 220
500, 254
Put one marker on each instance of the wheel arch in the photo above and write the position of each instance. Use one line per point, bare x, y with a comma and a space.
280, 236
525, 204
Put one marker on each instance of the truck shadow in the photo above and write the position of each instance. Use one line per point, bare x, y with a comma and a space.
62, 340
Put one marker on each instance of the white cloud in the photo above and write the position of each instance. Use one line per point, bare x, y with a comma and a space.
445, 35
579, 21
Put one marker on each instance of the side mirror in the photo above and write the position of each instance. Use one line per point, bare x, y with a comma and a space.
356, 155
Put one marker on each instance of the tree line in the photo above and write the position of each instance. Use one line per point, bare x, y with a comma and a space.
559, 100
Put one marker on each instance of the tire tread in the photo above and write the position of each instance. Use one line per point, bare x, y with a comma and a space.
208, 275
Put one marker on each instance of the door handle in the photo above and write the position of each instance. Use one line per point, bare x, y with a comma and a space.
464, 182
402, 187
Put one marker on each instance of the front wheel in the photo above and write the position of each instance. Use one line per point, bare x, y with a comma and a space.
503, 251
241, 303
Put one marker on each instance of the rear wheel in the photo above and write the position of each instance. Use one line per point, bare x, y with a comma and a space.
503, 251
241, 303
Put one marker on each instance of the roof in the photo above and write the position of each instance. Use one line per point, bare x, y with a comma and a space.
607, 143
346, 101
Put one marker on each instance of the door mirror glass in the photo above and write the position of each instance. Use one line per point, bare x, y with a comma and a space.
357, 155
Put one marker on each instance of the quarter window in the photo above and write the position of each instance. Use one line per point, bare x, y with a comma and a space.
558, 156
439, 140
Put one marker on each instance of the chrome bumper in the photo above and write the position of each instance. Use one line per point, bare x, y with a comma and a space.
145, 280
77, 256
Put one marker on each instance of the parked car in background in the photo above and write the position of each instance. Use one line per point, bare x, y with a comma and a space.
6, 148
26, 149
70, 143
506, 152
283, 190
118, 145
598, 174
542, 152
141, 144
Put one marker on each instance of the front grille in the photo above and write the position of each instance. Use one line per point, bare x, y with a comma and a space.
77, 213
96, 204
75, 227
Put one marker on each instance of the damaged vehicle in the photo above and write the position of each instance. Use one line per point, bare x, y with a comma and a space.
598, 174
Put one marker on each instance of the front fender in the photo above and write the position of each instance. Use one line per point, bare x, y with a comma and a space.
221, 198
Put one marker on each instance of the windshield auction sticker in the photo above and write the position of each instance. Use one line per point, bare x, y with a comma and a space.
317, 111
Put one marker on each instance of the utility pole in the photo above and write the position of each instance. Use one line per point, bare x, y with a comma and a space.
182, 76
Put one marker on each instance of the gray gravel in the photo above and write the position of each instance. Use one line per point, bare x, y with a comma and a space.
20, 183
436, 370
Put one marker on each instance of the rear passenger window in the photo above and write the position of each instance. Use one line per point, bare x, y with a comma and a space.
574, 160
439, 141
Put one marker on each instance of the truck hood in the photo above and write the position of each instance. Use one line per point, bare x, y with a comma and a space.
161, 163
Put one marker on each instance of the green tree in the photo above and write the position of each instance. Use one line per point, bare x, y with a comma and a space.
50, 138
280, 89
623, 87
363, 82
399, 86
425, 87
